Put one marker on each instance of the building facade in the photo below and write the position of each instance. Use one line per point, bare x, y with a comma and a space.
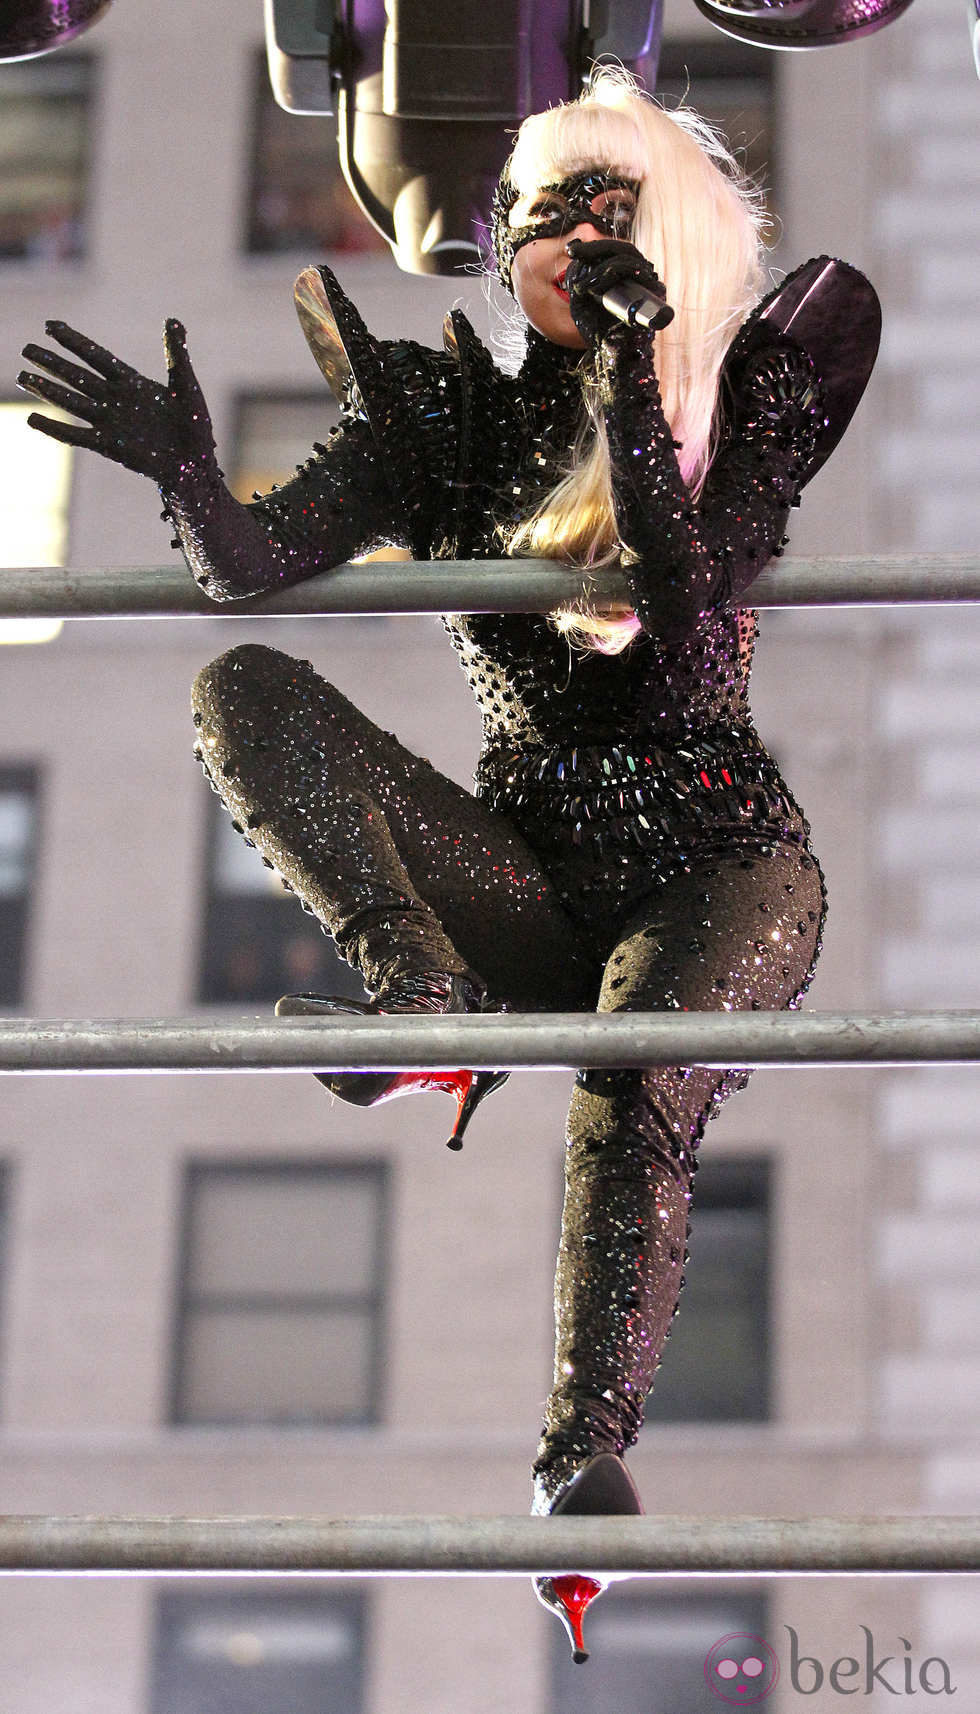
226, 1295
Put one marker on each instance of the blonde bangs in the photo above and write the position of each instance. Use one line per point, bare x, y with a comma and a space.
566, 140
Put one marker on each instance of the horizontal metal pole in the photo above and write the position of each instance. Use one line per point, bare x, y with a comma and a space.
471, 586
492, 1545
547, 1041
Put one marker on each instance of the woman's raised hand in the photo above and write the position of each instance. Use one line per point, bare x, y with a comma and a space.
156, 429
596, 264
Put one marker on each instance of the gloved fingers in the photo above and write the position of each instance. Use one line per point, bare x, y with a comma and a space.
101, 360
587, 277
597, 249
84, 380
179, 369
72, 434
64, 397
596, 266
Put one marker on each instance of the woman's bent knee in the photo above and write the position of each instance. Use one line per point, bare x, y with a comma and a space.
238, 675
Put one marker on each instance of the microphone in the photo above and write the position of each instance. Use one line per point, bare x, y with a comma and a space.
637, 305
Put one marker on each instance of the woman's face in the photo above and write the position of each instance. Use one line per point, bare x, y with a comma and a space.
594, 204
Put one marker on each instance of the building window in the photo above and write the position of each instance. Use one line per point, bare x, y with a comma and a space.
35, 477
18, 861
250, 1652
732, 84
655, 1653
716, 1363
275, 432
4, 1184
258, 941
35, 485
298, 198
282, 1294
45, 107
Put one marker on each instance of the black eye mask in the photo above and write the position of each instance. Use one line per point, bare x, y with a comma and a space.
588, 198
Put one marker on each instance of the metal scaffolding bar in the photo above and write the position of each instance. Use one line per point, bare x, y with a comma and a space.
471, 586
547, 1041
492, 1545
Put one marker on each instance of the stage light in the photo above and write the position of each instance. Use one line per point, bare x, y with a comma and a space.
31, 27
428, 95
800, 24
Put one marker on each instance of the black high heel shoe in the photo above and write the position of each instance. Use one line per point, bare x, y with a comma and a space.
430, 993
602, 1488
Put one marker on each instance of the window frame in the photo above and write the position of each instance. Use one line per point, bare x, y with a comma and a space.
335, 975
311, 395
6, 1179
14, 776
758, 1172
374, 1302
173, 1605
249, 251
27, 405
92, 60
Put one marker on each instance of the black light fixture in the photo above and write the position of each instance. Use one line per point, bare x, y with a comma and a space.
428, 95
800, 24
32, 27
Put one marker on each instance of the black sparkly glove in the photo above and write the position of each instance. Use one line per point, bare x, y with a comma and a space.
595, 266
159, 430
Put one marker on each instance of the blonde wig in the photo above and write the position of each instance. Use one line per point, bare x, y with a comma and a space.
698, 220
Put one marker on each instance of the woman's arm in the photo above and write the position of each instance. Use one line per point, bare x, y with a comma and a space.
335, 507
685, 560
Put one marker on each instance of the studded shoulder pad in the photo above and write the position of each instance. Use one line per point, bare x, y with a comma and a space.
829, 311
399, 387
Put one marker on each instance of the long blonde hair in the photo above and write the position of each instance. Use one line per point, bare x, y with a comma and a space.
699, 220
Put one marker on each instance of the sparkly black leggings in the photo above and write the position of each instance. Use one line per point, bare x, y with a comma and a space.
410, 873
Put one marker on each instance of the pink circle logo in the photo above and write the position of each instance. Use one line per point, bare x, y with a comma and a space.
741, 1669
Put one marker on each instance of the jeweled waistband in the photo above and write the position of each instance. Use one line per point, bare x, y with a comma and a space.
723, 759
700, 779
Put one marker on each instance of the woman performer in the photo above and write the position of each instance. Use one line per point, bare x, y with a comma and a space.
631, 845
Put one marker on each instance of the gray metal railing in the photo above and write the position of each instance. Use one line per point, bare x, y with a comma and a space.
472, 586
484, 1546
546, 1041
480, 1546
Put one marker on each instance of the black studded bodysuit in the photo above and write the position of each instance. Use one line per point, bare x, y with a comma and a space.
631, 844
